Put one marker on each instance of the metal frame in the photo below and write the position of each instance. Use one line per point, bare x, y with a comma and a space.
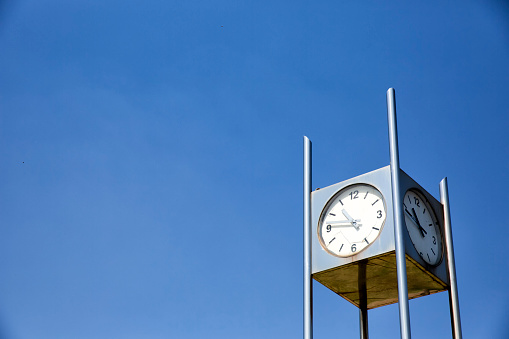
451, 266
399, 241
404, 314
308, 283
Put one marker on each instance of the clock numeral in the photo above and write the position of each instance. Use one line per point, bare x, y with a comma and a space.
332, 214
366, 240
354, 195
424, 211
434, 241
409, 200
428, 256
379, 214
376, 228
433, 251
353, 248
332, 240
340, 202
329, 228
375, 202
340, 247
417, 202
366, 194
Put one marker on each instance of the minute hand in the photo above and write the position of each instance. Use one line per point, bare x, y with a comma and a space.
423, 231
342, 221
345, 223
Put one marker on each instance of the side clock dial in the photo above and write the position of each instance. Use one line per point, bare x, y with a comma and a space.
352, 220
422, 226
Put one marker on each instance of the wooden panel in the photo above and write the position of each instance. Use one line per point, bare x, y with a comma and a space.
376, 279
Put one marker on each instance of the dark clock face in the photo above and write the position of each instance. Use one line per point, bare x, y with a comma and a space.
423, 227
352, 220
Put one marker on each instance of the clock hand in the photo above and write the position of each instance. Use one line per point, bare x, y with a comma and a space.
416, 222
341, 221
352, 220
411, 216
337, 224
423, 231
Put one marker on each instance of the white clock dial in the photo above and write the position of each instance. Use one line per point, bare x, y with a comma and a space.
352, 220
422, 226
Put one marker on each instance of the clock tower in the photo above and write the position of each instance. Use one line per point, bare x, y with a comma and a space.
377, 239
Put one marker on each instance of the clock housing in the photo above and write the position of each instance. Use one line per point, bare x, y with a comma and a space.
371, 274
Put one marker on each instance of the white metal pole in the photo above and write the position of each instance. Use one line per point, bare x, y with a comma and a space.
451, 266
404, 314
308, 283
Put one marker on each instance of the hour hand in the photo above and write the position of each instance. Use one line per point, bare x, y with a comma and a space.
353, 221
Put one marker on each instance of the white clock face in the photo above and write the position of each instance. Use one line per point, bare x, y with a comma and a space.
422, 226
352, 220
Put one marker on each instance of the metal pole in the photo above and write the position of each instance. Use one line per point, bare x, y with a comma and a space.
308, 283
451, 266
363, 318
404, 316
363, 299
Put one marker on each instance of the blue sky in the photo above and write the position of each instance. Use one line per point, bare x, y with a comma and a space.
151, 155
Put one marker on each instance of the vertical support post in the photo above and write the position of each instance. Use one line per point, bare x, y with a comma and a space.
363, 318
404, 316
363, 299
308, 283
451, 266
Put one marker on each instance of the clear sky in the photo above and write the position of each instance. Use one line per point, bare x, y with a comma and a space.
151, 159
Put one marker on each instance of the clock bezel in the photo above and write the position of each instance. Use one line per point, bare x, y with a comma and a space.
437, 225
329, 203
